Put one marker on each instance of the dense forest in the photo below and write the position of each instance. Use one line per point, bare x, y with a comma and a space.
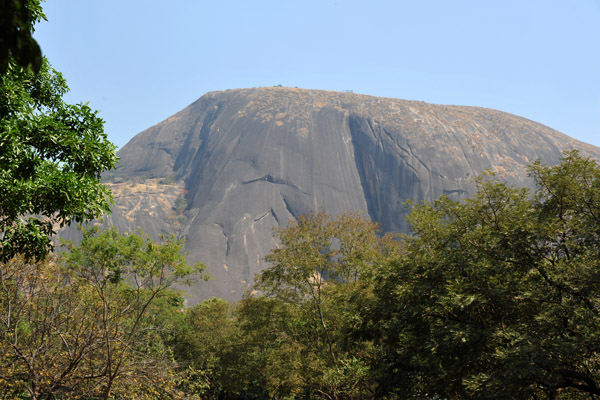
492, 297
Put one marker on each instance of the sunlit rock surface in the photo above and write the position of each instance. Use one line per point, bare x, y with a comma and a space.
248, 160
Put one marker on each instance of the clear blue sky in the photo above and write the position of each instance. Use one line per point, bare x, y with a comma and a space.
140, 61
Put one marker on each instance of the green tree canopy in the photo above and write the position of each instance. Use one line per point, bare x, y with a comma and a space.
498, 296
17, 18
322, 272
51, 153
51, 157
94, 322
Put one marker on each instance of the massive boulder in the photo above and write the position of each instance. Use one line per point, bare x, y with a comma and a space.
249, 160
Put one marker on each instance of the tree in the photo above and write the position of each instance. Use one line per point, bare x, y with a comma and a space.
51, 153
497, 297
202, 346
51, 158
271, 357
17, 18
91, 324
322, 270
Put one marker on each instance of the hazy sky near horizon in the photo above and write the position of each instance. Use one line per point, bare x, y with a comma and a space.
139, 62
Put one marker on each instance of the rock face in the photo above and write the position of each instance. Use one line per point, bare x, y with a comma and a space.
249, 160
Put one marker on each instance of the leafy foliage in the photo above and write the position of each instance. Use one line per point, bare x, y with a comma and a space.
51, 158
322, 270
497, 297
91, 324
203, 343
494, 297
297, 341
17, 18
181, 204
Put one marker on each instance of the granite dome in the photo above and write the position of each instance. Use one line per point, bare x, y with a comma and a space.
248, 160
